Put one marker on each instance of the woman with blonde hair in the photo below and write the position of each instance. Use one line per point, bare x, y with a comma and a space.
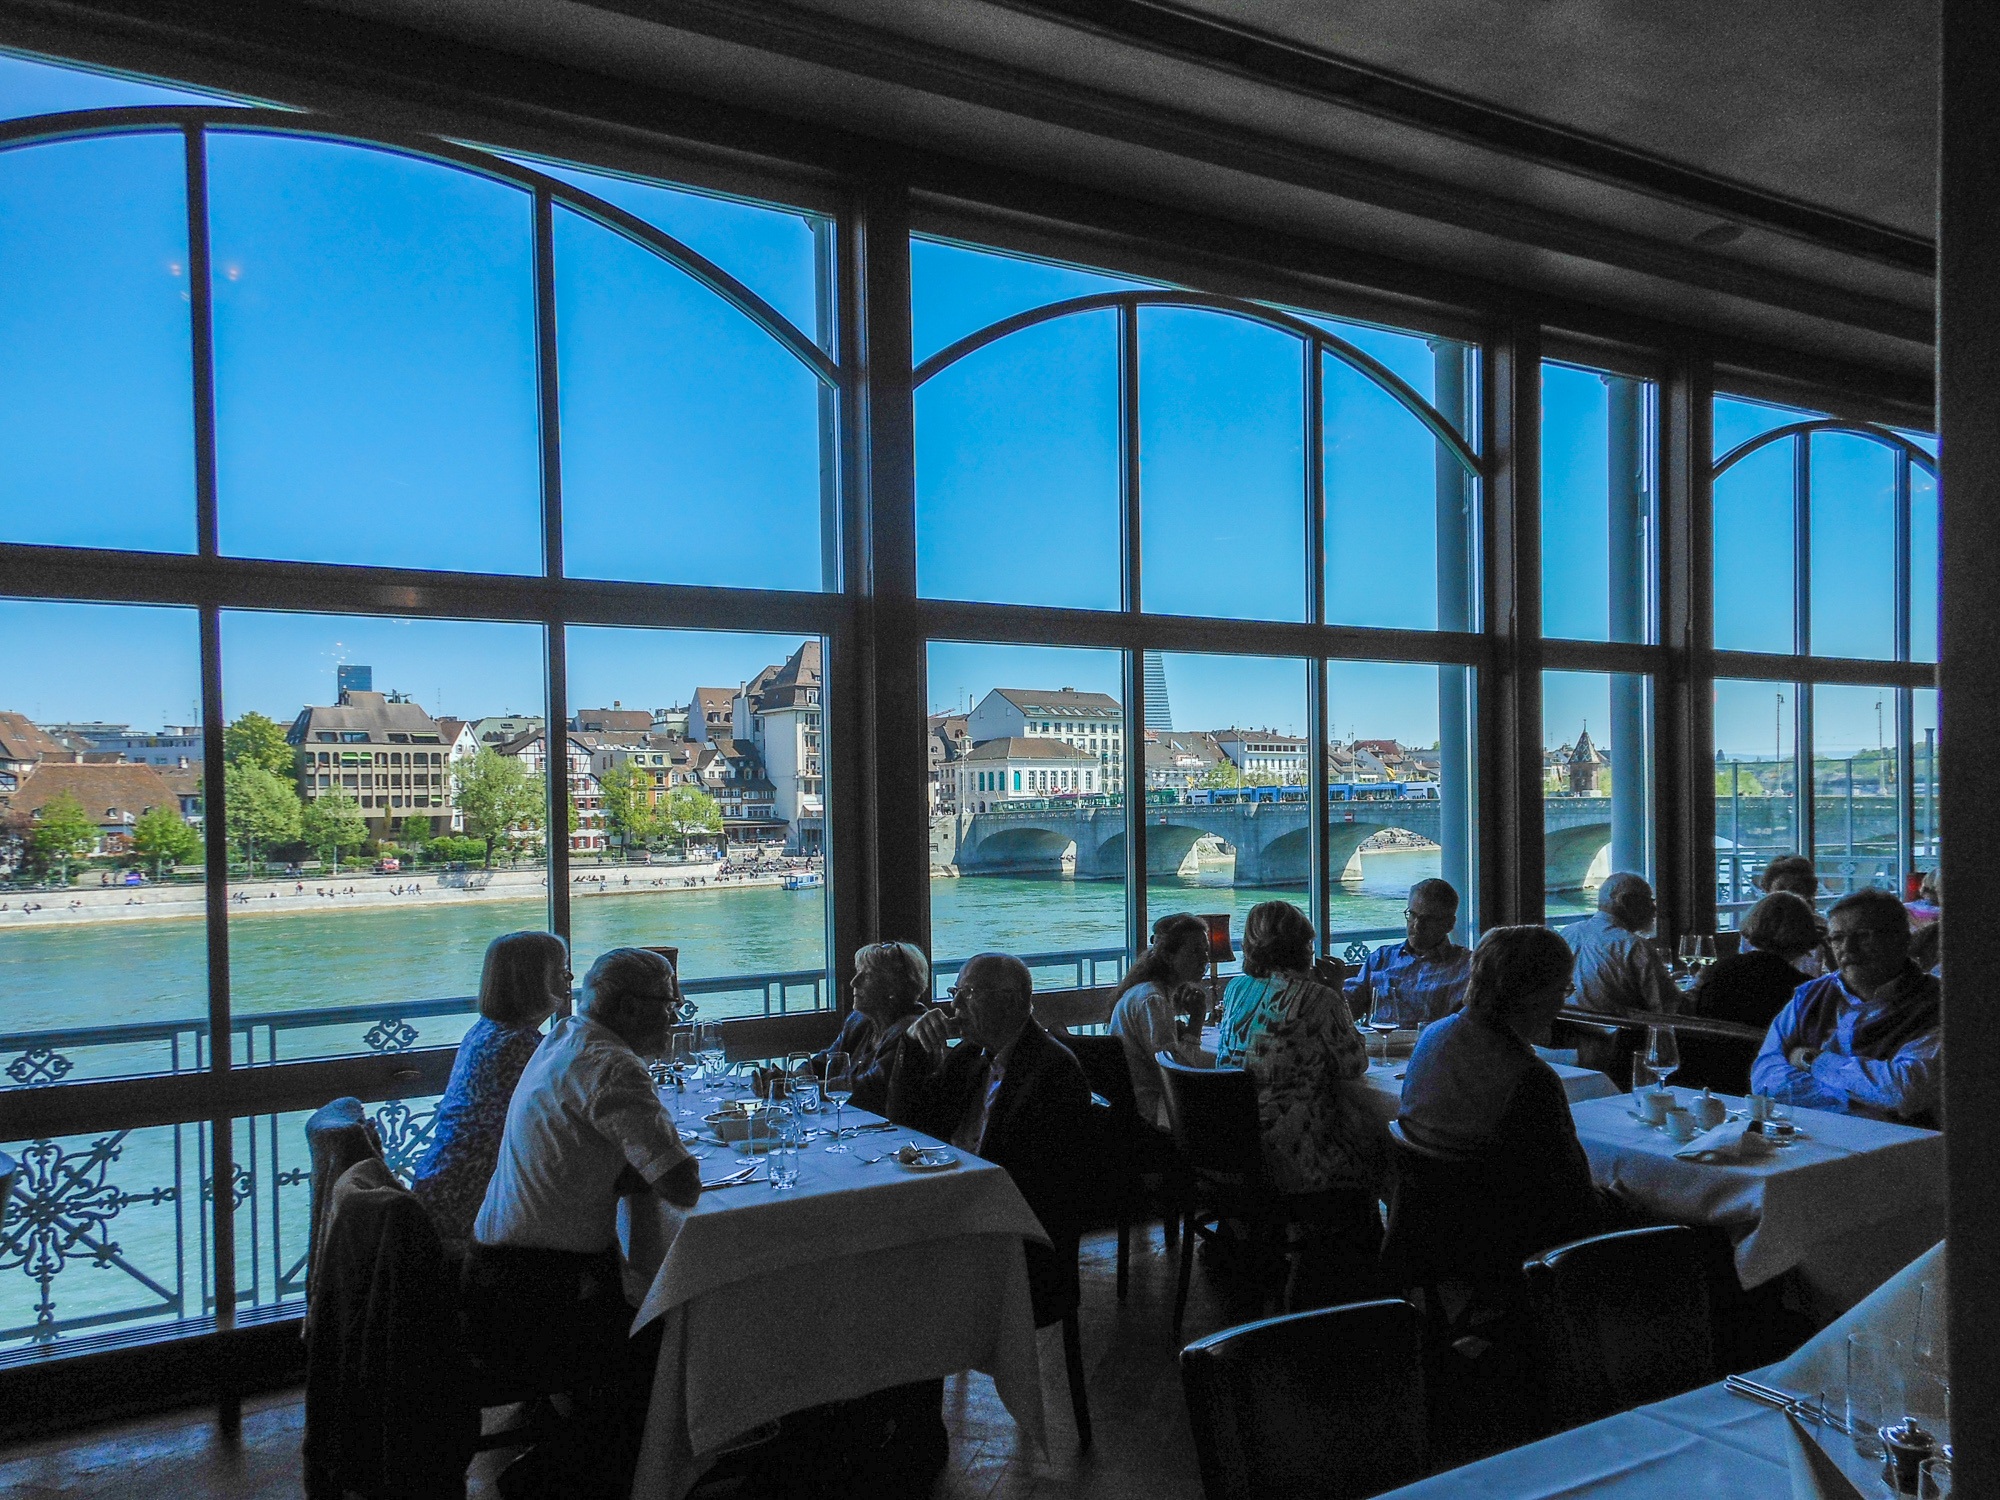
523, 982
891, 983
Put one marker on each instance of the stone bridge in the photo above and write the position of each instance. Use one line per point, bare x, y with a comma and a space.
1268, 838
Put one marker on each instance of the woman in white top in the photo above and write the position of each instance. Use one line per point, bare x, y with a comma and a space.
1146, 1019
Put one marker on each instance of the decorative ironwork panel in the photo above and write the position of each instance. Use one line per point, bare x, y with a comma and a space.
39, 1065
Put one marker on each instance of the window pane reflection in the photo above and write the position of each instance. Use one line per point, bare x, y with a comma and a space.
707, 763
1756, 787
1222, 452
1597, 783
1855, 798
1399, 806
1028, 809
101, 889
375, 359
388, 819
96, 414
1227, 765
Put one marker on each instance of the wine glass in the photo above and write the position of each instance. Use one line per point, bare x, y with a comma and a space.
1383, 1019
1663, 1053
708, 1046
1685, 952
1704, 952
683, 1057
839, 1087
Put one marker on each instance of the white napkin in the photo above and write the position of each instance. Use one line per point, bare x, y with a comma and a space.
1732, 1140
1815, 1475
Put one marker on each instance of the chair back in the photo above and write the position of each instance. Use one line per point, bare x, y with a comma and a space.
1621, 1320
1325, 1404
1102, 1059
1213, 1115
338, 1135
1449, 1218
1721, 1063
1060, 1010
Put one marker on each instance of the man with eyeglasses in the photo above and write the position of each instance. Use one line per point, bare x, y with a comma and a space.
1008, 1092
1867, 1039
1426, 972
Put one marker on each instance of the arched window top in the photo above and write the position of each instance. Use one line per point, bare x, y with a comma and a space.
1319, 339
1888, 438
195, 121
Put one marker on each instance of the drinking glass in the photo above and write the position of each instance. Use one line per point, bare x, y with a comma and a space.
1663, 1053
1874, 1389
683, 1064
1927, 1345
756, 1138
1781, 1129
1642, 1075
805, 1094
839, 1087
708, 1045
1383, 1019
1685, 952
1934, 1479
783, 1154
1704, 951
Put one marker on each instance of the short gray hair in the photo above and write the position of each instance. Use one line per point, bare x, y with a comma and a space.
1441, 891
904, 962
1621, 886
623, 985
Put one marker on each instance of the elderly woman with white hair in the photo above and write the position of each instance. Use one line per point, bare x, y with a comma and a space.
891, 981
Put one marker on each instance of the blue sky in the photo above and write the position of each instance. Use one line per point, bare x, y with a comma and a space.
377, 403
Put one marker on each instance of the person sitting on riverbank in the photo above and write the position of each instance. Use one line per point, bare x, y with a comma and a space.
1754, 985
524, 980
1426, 972
890, 983
1151, 1014
1616, 968
1868, 1038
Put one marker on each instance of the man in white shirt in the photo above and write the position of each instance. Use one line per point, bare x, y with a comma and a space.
544, 1292
1616, 968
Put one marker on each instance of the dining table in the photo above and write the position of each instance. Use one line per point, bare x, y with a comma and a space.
1843, 1206
868, 1273
1709, 1442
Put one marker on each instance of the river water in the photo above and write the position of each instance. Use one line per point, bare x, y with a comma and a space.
127, 971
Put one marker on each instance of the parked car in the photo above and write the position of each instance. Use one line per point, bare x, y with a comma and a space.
388, 867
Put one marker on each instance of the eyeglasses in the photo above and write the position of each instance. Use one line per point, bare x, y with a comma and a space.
1569, 990
961, 992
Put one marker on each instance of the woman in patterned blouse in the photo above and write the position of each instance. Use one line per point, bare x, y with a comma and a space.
525, 979
1323, 1149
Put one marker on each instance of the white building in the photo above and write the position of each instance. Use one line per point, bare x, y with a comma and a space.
778, 712
1091, 722
531, 749
1015, 768
177, 745
1264, 753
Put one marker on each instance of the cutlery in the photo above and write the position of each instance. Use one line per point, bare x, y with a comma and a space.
740, 1175
1815, 1412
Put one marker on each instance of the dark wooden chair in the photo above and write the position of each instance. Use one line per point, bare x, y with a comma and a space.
1450, 1225
1213, 1112
1602, 1046
1324, 1404
1620, 1320
1131, 1149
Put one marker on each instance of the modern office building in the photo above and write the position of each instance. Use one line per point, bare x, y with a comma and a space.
390, 758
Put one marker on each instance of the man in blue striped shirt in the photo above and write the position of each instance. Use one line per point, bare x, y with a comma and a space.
1425, 974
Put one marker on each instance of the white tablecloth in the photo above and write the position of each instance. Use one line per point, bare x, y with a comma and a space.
1705, 1445
1851, 1202
1384, 1085
860, 1277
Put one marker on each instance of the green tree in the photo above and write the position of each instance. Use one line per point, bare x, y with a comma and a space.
259, 741
332, 823
163, 836
415, 833
628, 806
263, 808
62, 833
687, 811
1222, 774
499, 796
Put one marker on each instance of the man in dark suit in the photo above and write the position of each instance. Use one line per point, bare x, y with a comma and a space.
1008, 1092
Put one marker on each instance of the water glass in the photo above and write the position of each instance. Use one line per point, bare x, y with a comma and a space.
756, 1140
783, 1154
1642, 1076
1934, 1479
838, 1086
1874, 1389
805, 1095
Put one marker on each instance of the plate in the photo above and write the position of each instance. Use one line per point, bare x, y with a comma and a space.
934, 1159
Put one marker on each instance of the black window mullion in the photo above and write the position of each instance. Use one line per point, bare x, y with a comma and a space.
1137, 929
1906, 803
555, 733
1319, 893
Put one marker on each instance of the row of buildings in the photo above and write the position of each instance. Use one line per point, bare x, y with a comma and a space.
1019, 743
756, 749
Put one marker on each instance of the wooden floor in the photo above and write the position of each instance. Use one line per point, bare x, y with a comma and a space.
1142, 1449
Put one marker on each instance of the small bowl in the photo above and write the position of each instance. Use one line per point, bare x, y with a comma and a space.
728, 1124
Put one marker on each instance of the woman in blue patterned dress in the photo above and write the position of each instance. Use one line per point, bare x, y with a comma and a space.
525, 979
1323, 1148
